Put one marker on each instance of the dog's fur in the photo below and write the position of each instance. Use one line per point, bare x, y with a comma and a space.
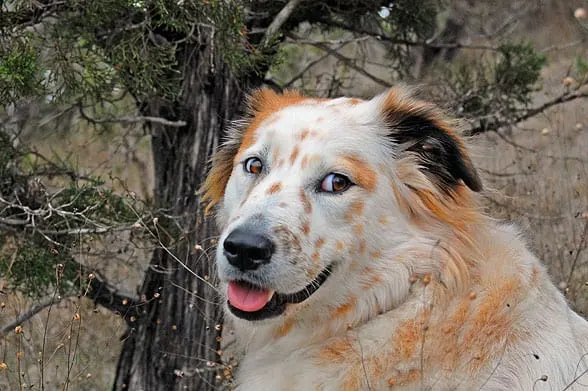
426, 292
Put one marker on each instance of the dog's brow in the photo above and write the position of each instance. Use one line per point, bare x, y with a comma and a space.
363, 174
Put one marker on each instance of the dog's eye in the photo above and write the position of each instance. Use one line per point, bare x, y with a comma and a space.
335, 183
253, 165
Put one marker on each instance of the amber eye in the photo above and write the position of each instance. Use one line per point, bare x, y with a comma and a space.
253, 165
335, 183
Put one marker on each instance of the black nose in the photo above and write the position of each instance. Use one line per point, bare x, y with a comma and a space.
247, 249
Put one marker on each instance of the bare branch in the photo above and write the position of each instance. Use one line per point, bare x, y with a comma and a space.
406, 42
34, 310
579, 249
110, 297
133, 119
99, 291
31, 16
350, 62
310, 65
279, 20
488, 126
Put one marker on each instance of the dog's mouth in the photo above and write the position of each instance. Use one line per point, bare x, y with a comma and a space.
251, 302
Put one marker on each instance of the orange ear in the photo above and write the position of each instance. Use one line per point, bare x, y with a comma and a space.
418, 128
213, 188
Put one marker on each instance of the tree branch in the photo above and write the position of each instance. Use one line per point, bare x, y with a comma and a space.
33, 15
406, 42
133, 119
278, 21
102, 293
348, 61
99, 291
310, 65
526, 114
34, 310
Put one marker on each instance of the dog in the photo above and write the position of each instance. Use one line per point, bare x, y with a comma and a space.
354, 255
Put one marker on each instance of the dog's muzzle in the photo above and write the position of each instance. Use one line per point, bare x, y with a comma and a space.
247, 249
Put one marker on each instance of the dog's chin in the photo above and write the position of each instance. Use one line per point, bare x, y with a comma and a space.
275, 302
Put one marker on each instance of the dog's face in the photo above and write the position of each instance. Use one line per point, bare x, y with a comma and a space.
308, 188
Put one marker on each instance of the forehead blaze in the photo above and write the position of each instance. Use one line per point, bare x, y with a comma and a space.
261, 105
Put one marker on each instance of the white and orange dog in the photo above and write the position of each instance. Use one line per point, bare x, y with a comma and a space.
353, 256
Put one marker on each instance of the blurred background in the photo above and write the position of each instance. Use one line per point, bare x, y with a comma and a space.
109, 110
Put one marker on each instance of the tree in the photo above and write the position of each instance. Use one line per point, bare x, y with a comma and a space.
181, 70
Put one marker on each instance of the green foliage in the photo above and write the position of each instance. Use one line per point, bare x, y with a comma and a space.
140, 46
410, 19
517, 72
36, 268
496, 86
581, 66
42, 231
20, 72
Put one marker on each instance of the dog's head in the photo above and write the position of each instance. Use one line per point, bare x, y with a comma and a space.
307, 189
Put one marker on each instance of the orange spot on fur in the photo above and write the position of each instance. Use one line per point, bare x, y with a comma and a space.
305, 202
493, 316
284, 328
294, 155
344, 308
362, 172
355, 209
340, 245
273, 189
275, 155
304, 162
407, 337
371, 278
306, 228
315, 257
383, 220
304, 134
338, 351
376, 254
355, 101
358, 229
319, 243
405, 378
362, 246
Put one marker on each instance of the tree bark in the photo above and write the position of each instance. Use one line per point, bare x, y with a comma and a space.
174, 340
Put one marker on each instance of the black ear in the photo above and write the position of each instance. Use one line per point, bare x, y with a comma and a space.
439, 153
417, 128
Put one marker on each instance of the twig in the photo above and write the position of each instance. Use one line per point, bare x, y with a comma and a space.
34, 310
348, 61
278, 21
566, 97
578, 251
133, 119
406, 42
308, 66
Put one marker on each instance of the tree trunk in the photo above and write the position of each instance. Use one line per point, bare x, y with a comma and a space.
173, 343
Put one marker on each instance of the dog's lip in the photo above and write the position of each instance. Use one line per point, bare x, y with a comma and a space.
277, 304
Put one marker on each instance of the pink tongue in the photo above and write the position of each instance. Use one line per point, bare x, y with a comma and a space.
247, 298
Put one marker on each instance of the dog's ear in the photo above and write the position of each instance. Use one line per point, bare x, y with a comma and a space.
418, 128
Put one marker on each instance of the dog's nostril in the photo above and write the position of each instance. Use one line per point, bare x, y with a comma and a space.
247, 249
